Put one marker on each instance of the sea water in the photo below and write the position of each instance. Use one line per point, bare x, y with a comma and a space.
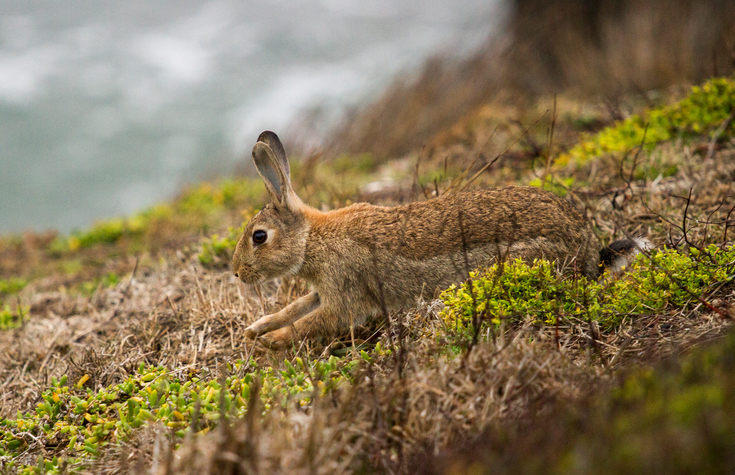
109, 106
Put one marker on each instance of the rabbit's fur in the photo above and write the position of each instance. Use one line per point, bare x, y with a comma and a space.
363, 259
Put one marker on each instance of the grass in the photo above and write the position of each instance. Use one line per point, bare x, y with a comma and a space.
79, 422
674, 417
99, 374
686, 408
198, 209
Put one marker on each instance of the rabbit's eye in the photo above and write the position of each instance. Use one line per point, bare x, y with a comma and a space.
260, 236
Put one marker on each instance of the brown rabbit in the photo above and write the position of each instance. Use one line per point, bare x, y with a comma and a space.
364, 258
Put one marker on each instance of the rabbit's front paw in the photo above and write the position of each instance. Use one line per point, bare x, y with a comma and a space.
251, 332
258, 327
278, 339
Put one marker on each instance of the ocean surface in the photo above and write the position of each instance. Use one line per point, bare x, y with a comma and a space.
109, 106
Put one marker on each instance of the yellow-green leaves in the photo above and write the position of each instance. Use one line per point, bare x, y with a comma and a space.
82, 420
518, 291
704, 111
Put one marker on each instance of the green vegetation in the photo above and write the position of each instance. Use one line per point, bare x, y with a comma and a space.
12, 317
110, 279
197, 208
658, 164
419, 357
558, 186
218, 250
230, 194
79, 421
687, 410
362, 164
676, 417
516, 291
705, 110
12, 285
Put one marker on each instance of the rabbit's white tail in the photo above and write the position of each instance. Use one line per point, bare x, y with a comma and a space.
622, 252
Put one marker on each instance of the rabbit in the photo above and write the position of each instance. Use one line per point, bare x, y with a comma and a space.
364, 260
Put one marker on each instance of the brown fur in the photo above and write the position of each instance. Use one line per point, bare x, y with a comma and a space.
363, 259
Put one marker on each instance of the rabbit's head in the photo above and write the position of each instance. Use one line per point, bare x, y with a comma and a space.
274, 241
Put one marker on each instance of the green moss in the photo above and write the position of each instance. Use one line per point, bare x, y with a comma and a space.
702, 112
516, 291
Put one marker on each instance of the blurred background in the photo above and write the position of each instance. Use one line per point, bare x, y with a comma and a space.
107, 107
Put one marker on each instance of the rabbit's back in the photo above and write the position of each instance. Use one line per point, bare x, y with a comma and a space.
419, 247
464, 221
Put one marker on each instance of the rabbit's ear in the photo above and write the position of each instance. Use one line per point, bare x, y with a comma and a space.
272, 140
276, 176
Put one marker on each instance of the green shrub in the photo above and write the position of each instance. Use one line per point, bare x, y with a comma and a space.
536, 291
702, 112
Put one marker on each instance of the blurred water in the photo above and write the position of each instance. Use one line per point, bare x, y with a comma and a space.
108, 106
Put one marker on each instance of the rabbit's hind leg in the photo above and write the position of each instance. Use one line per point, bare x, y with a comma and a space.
286, 316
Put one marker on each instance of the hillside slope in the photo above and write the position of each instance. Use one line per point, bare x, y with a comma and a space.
122, 345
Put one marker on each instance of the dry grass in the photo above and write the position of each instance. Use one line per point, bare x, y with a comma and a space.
605, 50
406, 404
413, 405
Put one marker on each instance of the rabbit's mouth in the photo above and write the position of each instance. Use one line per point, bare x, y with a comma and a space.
248, 275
